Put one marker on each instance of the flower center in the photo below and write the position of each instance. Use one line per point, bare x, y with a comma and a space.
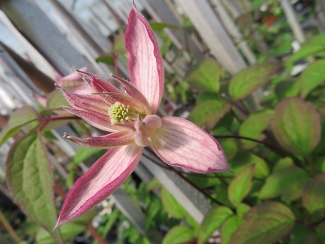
145, 129
119, 113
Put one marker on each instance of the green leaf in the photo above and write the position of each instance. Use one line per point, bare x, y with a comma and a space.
55, 124
320, 164
171, 205
30, 181
287, 88
111, 221
312, 77
208, 113
242, 208
283, 163
18, 119
212, 221
253, 127
240, 186
296, 126
265, 223
55, 100
311, 238
320, 230
152, 211
206, 75
119, 46
179, 234
83, 153
242, 159
205, 96
68, 230
313, 197
229, 146
106, 59
228, 228
305, 51
297, 233
160, 26
251, 78
287, 183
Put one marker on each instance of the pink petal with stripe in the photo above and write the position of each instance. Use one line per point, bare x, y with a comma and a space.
86, 102
72, 78
181, 143
97, 84
83, 90
111, 98
102, 178
120, 138
144, 61
134, 93
95, 119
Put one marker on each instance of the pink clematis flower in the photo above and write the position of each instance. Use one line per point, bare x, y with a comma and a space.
130, 118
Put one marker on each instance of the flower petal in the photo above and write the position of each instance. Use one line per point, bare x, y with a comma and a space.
145, 62
181, 143
134, 93
95, 119
120, 138
83, 90
102, 178
125, 99
86, 102
70, 80
97, 83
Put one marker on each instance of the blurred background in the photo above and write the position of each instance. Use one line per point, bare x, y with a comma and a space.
42, 41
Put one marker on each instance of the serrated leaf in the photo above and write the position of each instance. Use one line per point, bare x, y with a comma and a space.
251, 78
312, 77
208, 113
287, 183
179, 234
243, 159
30, 181
313, 197
296, 126
171, 205
240, 186
228, 228
206, 75
212, 221
253, 127
18, 119
265, 223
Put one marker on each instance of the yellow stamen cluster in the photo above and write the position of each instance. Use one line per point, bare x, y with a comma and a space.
119, 113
